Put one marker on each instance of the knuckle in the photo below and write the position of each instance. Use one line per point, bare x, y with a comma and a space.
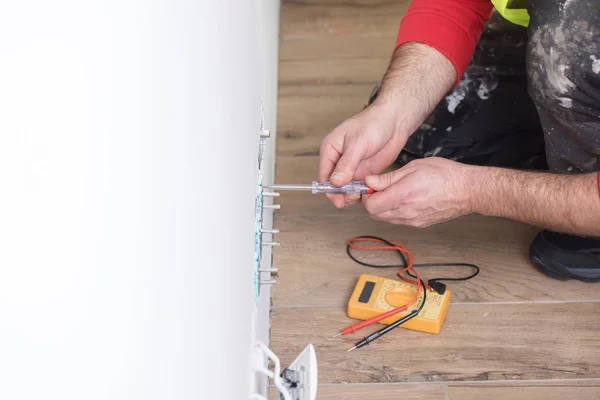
415, 163
326, 148
408, 213
328, 139
359, 140
345, 162
411, 215
388, 178
402, 213
326, 145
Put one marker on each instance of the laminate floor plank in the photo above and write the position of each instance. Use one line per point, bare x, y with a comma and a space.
315, 271
527, 391
523, 390
336, 47
332, 72
309, 18
478, 342
381, 392
307, 114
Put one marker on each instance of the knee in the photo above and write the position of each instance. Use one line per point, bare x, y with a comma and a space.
563, 60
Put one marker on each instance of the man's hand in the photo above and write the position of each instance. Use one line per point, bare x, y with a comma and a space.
420, 194
416, 81
434, 190
365, 144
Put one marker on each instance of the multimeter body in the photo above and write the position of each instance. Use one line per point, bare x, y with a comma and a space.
374, 295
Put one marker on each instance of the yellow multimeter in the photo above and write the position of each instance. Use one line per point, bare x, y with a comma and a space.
374, 295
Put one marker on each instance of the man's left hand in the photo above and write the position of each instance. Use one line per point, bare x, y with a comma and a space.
422, 193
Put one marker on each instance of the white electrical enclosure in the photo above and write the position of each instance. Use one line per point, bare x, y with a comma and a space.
129, 134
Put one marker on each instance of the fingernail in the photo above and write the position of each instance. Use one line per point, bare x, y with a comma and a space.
337, 176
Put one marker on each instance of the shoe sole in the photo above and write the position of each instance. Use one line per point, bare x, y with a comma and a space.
558, 271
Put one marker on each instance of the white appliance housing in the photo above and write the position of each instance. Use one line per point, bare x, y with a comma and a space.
129, 133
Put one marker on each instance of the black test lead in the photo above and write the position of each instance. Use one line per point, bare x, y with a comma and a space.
383, 331
375, 335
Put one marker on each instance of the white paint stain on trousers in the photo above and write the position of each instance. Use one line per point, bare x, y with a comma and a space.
595, 64
565, 102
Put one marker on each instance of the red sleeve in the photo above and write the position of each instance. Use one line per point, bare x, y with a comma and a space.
452, 27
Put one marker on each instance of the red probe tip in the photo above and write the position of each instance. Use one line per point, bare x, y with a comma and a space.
370, 191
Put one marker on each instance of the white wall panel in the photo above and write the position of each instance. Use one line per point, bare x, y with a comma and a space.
128, 138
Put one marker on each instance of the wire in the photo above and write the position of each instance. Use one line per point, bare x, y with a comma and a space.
407, 266
404, 260
408, 259
406, 256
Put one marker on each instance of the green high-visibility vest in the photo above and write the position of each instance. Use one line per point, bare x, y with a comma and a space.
513, 10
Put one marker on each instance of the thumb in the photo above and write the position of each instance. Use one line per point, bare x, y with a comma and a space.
381, 182
347, 164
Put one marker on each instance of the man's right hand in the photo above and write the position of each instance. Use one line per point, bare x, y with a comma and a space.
365, 144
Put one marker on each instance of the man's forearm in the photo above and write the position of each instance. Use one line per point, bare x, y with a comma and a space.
417, 79
564, 203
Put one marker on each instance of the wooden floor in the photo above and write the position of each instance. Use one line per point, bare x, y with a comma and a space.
511, 332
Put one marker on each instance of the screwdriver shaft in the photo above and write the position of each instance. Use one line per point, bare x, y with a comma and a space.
289, 187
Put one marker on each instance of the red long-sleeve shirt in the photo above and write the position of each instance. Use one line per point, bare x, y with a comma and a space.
452, 27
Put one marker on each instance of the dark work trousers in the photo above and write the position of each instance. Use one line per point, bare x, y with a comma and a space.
530, 99
563, 75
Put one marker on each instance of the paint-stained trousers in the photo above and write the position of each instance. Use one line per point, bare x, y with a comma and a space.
530, 98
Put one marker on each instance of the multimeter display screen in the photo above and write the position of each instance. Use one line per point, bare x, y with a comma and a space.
365, 295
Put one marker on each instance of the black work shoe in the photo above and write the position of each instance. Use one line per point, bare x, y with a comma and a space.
566, 257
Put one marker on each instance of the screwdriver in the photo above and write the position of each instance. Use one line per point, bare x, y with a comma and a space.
352, 187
